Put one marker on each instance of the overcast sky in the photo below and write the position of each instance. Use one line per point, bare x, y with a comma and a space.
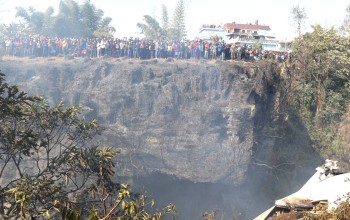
275, 13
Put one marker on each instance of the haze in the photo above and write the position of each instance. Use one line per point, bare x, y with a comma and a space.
126, 14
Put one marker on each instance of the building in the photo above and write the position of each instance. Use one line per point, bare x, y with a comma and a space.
250, 34
207, 32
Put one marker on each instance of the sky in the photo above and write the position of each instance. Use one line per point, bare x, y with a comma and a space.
275, 13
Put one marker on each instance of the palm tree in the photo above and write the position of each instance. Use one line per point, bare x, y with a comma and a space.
151, 28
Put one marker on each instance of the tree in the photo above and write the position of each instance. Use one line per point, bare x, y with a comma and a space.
32, 18
178, 27
12, 29
151, 28
299, 17
48, 21
89, 18
165, 18
177, 30
67, 22
72, 20
50, 165
345, 28
323, 62
104, 29
43, 154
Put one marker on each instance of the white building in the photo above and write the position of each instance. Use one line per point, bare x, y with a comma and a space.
207, 32
250, 34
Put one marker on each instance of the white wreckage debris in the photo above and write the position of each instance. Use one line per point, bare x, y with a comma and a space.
327, 184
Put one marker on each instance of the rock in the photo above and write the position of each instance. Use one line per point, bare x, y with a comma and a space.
193, 122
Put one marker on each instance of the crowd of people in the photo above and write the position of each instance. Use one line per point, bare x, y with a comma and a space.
41, 46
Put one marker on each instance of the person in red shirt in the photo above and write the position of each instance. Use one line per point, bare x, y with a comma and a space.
59, 44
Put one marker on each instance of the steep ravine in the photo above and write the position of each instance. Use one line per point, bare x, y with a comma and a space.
208, 130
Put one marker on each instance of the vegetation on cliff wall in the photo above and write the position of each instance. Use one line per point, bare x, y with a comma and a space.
320, 87
308, 104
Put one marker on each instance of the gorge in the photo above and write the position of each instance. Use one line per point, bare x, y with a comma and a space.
204, 135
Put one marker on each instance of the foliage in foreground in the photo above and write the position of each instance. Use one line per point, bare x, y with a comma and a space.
50, 166
319, 212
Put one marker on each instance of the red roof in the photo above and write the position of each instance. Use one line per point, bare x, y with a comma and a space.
232, 26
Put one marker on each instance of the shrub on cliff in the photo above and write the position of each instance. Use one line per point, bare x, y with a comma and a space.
321, 86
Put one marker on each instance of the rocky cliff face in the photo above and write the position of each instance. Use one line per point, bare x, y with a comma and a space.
191, 120
221, 129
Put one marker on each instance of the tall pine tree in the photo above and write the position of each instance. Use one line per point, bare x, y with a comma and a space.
178, 26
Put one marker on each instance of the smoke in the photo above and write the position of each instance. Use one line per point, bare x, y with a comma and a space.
194, 199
